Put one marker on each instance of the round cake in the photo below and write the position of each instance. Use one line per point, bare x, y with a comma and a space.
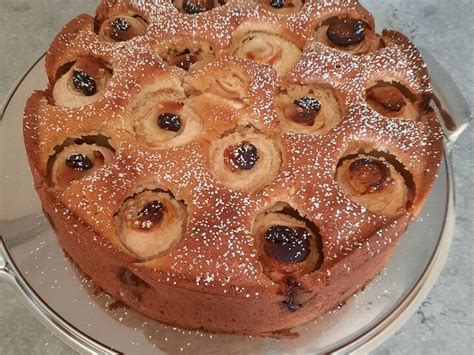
232, 166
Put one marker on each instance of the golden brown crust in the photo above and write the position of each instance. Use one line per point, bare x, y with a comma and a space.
231, 312
212, 277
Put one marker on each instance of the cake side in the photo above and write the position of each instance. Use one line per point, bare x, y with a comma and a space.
190, 307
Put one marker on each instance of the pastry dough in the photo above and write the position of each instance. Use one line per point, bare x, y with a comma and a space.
76, 161
150, 223
229, 155
263, 44
348, 35
83, 84
373, 183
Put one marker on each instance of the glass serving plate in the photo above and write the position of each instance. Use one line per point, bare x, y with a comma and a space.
68, 304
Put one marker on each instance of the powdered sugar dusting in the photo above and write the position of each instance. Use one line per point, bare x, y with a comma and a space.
218, 250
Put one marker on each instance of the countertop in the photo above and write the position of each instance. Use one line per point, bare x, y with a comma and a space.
443, 324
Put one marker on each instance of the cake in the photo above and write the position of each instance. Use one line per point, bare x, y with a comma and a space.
232, 166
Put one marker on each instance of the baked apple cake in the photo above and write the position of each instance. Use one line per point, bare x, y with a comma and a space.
237, 166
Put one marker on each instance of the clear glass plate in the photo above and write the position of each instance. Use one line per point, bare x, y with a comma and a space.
89, 320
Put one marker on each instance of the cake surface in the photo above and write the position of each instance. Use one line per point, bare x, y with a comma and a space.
232, 166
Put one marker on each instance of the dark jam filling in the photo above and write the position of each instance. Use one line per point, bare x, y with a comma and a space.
243, 156
345, 32
277, 4
305, 110
290, 302
169, 121
128, 278
184, 60
192, 8
389, 97
119, 29
79, 162
369, 175
151, 214
287, 244
120, 24
308, 103
84, 83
